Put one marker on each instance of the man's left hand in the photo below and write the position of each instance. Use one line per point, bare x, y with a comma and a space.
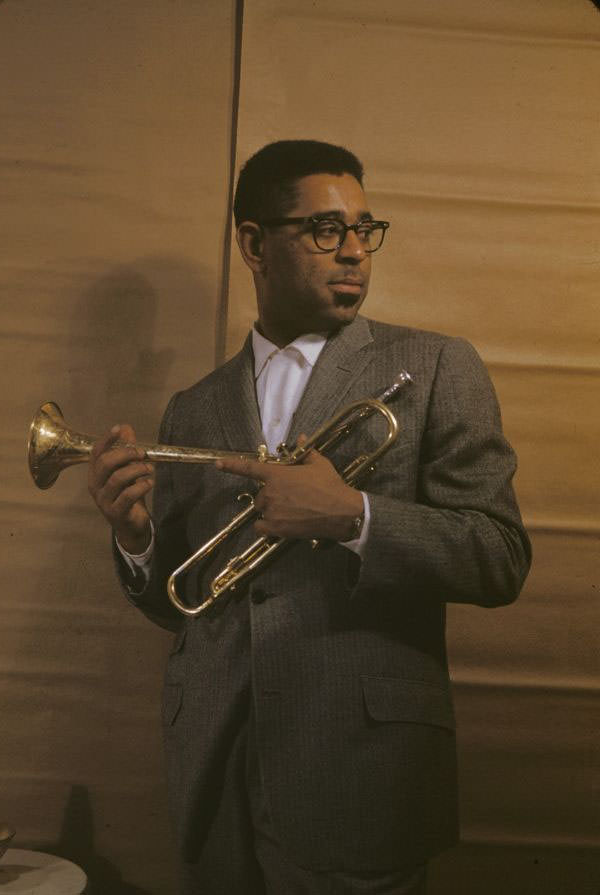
307, 500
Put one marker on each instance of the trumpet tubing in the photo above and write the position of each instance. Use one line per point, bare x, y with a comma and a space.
263, 548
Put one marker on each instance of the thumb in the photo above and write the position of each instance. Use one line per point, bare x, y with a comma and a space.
126, 433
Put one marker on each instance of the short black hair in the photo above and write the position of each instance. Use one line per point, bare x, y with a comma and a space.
265, 187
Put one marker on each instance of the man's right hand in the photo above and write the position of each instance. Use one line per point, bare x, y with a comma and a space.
118, 480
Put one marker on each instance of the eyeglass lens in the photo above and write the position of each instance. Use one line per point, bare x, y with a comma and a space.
330, 234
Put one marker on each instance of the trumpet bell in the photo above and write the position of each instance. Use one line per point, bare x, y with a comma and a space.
52, 446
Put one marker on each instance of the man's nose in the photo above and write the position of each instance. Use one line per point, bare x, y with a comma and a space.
352, 248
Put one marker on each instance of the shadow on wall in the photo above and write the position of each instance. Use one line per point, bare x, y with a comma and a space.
136, 330
127, 330
76, 843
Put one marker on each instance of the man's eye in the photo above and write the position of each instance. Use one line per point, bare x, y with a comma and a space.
365, 230
328, 228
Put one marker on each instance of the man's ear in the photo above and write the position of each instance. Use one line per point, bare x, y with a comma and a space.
250, 238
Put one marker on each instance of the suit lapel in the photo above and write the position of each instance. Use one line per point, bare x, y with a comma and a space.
340, 364
236, 402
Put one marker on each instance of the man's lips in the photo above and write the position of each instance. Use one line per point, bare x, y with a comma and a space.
350, 285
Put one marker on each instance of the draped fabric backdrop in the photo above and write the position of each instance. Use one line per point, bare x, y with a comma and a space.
478, 125
115, 161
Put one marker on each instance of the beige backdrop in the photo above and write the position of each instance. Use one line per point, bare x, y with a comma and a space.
114, 153
477, 122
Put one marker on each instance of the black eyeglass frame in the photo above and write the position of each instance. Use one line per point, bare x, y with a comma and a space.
376, 225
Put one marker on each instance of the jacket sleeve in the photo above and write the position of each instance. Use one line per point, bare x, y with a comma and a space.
171, 546
462, 539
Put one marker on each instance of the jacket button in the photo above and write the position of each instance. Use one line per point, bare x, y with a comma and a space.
259, 595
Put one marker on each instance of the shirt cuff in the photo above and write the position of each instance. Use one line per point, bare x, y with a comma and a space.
139, 562
358, 544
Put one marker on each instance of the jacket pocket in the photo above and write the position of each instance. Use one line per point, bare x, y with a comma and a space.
413, 702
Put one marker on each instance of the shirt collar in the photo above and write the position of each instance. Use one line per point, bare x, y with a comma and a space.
309, 345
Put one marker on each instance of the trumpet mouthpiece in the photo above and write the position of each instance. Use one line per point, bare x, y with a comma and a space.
402, 379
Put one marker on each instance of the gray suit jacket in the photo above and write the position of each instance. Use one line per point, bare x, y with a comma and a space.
347, 658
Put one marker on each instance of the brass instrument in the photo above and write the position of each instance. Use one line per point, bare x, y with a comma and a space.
53, 447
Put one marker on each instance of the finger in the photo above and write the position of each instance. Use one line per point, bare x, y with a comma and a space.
105, 442
265, 529
111, 460
308, 457
130, 496
260, 501
127, 434
313, 457
261, 528
123, 477
120, 433
250, 468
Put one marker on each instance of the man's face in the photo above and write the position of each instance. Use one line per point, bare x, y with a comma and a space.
302, 289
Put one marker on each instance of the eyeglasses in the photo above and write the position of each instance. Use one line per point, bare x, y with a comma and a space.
329, 233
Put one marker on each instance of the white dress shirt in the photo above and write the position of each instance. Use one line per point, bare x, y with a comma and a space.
280, 377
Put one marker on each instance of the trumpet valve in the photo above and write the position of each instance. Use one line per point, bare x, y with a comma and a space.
283, 451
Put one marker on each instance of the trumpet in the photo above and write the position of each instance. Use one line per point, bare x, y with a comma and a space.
53, 446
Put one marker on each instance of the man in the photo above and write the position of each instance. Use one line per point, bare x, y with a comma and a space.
308, 723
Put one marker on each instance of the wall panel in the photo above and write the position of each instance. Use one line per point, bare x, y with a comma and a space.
114, 176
